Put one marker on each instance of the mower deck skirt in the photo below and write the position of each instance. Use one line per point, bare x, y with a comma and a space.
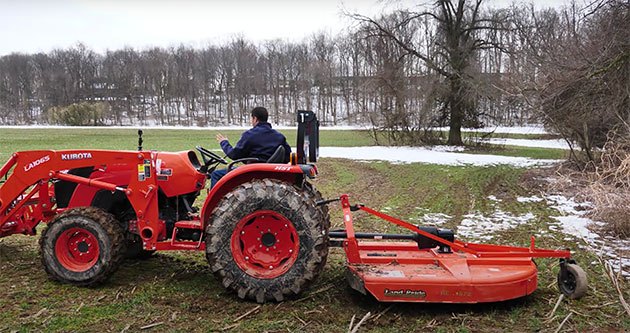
400, 272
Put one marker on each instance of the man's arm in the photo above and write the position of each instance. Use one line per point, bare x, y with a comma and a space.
240, 151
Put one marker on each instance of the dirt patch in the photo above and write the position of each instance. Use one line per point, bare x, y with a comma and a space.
538, 179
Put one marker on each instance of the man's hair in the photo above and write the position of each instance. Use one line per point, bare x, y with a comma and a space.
260, 113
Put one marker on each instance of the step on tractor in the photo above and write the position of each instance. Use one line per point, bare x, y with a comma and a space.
264, 227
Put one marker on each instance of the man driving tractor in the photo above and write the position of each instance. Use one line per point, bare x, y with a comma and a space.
259, 142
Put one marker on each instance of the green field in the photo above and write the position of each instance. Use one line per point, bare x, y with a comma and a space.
12, 140
177, 290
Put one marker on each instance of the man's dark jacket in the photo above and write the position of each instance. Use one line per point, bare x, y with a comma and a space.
261, 142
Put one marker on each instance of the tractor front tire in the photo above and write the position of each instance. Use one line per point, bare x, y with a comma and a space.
82, 246
267, 240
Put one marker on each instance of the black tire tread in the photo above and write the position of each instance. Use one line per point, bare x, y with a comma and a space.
315, 195
113, 231
256, 195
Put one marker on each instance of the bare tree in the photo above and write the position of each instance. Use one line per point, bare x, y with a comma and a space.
457, 40
582, 57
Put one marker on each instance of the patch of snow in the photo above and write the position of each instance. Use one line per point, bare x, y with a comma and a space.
493, 198
568, 206
529, 199
576, 226
555, 144
443, 148
614, 251
425, 155
479, 227
436, 218
532, 129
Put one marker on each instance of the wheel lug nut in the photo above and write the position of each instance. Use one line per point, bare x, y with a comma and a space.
242, 232
267, 249
246, 258
270, 267
291, 251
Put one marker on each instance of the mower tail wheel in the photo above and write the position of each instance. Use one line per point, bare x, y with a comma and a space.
267, 240
82, 246
574, 283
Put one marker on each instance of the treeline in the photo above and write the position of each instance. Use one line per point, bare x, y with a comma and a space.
405, 71
348, 79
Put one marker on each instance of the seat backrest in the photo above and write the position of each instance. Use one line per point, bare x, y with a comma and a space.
278, 156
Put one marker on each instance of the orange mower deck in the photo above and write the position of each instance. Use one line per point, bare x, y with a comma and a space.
398, 271
434, 269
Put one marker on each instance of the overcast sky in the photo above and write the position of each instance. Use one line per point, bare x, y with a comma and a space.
31, 26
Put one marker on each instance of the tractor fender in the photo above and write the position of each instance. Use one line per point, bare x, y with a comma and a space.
293, 174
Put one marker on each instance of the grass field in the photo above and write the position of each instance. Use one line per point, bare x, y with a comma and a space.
177, 290
12, 140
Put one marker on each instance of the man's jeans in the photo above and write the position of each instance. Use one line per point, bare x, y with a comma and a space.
216, 175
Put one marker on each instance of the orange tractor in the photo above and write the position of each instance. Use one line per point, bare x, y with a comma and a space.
264, 227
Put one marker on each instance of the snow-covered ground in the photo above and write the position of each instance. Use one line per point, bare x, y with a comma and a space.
534, 129
440, 155
480, 227
557, 144
577, 227
570, 222
193, 128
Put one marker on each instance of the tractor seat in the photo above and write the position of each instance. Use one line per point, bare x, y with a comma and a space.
278, 156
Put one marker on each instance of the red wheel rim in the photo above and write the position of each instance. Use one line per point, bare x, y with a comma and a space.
265, 244
77, 249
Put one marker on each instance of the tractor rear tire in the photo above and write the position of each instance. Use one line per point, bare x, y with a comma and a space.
267, 240
82, 246
314, 194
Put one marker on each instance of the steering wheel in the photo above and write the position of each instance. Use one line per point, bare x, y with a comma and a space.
209, 157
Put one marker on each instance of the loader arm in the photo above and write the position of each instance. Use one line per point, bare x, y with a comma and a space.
25, 196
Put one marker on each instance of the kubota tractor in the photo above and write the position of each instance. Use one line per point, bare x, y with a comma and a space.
263, 234
263, 226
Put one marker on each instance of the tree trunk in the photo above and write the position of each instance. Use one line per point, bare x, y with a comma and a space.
456, 105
